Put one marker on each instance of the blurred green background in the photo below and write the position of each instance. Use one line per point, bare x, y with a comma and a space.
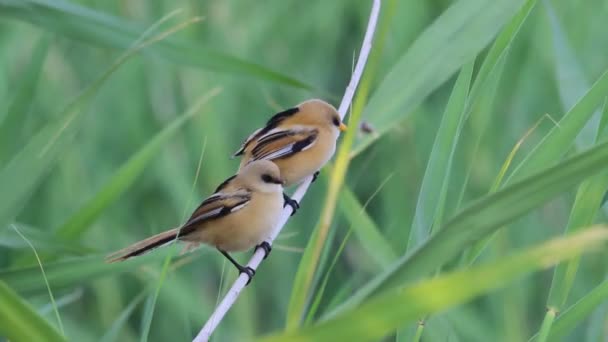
94, 158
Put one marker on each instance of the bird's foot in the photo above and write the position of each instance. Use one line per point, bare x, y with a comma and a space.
250, 272
266, 247
288, 201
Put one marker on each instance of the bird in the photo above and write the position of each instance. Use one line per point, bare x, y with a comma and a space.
299, 140
239, 215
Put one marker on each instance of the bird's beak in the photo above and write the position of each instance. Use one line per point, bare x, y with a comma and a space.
280, 181
343, 127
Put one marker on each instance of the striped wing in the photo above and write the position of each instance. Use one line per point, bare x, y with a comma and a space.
272, 123
284, 143
216, 206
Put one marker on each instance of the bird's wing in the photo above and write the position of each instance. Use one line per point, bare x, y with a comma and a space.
272, 123
217, 205
284, 143
247, 142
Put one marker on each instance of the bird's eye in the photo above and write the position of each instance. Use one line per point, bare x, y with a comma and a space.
267, 178
336, 122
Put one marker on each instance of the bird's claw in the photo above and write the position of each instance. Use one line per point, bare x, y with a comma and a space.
250, 272
292, 203
266, 247
315, 176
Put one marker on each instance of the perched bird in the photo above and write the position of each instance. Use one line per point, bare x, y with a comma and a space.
299, 140
241, 214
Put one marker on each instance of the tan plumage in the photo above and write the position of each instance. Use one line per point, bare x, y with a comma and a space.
299, 140
240, 214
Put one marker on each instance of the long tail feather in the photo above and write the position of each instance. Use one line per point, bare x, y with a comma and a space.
143, 246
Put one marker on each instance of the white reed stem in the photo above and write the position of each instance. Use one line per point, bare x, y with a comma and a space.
258, 256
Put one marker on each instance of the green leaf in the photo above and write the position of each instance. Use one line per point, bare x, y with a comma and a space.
366, 230
103, 29
574, 315
572, 83
500, 48
72, 272
27, 168
453, 39
482, 218
484, 89
122, 319
557, 142
392, 308
314, 306
586, 206
475, 251
11, 126
433, 190
44, 241
126, 175
24, 172
20, 322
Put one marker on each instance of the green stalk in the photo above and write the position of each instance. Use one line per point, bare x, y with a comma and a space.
547, 323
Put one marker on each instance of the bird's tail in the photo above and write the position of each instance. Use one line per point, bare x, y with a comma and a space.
144, 246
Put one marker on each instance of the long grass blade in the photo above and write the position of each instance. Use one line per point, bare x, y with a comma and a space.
556, 143
127, 174
71, 272
454, 39
11, 125
577, 313
100, 28
482, 218
431, 198
392, 308
20, 322
25, 170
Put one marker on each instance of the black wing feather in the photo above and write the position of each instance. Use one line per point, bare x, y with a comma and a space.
224, 183
192, 224
272, 123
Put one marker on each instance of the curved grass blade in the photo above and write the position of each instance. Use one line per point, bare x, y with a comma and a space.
44, 241
369, 237
433, 190
20, 322
431, 198
572, 83
366, 230
455, 38
484, 87
88, 25
556, 143
475, 251
11, 132
46, 281
112, 333
392, 308
586, 206
578, 312
71, 272
25, 171
314, 306
482, 218
127, 174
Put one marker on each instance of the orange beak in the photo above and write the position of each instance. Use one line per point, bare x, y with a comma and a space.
342, 127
